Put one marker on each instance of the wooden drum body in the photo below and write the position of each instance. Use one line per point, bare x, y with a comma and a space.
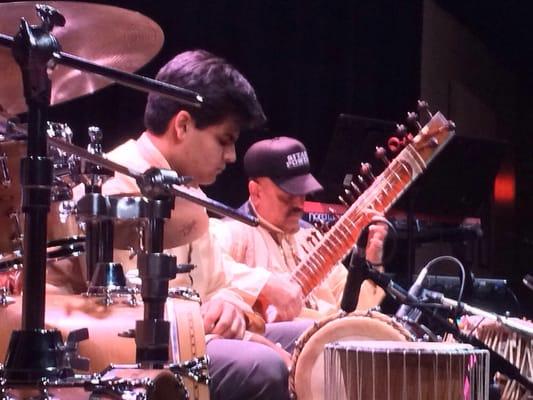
306, 380
358, 370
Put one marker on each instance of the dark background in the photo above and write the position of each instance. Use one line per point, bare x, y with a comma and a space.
311, 60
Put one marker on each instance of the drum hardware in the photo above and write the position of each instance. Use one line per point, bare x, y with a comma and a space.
109, 282
5, 299
105, 278
195, 368
123, 382
33, 48
17, 237
43, 355
184, 293
5, 178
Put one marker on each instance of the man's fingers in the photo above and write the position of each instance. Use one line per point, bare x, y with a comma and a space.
211, 313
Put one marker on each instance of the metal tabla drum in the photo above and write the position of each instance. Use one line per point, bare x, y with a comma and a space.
360, 370
110, 341
306, 379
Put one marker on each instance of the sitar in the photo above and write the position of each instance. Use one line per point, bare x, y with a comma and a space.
379, 197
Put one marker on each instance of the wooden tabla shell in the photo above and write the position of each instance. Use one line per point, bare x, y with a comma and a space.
306, 379
104, 346
360, 370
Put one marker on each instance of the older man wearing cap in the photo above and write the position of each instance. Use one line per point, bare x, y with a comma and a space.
279, 181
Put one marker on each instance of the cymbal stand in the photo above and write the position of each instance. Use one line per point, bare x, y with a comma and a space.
156, 269
35, 353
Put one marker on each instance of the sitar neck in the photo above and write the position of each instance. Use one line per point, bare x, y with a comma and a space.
379, 197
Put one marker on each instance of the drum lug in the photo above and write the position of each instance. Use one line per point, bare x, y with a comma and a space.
71, 356
128, 334
5, 300
5, 178
18, 237
195, 368
185, 293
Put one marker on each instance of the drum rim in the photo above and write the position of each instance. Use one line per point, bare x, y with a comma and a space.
318, 325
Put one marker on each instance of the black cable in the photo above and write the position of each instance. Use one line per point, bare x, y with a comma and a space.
462, 278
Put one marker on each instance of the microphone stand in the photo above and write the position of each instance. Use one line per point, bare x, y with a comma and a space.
497, 362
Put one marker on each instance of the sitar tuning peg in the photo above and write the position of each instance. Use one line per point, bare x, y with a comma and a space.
366, 170
381, 154
348, 184
423, 107
412, 119
355, 188
401, 130
343, 202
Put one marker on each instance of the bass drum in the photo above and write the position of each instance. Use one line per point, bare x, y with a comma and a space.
306, 379
110, 328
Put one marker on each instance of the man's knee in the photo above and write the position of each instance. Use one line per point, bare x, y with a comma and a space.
246, 370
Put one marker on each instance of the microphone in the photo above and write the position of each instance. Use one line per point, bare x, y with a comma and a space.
394, 290
354, 280
414, 291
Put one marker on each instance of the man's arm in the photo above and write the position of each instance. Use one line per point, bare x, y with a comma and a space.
256, 284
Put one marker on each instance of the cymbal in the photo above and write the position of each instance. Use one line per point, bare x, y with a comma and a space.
106, 35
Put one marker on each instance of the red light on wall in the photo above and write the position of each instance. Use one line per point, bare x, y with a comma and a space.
504, 188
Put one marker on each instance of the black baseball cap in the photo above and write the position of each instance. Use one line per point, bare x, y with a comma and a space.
285, 161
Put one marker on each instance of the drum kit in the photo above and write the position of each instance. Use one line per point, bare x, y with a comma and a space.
156, 351
162, 354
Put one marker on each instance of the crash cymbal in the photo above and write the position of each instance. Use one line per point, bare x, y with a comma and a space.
106, 35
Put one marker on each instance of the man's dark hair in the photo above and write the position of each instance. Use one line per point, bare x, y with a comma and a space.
225, 91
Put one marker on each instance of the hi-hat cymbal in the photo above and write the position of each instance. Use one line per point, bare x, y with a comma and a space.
106, 35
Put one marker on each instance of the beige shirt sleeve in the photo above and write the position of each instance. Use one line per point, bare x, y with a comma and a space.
247, 280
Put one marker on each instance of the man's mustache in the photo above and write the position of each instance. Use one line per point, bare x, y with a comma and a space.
296, 210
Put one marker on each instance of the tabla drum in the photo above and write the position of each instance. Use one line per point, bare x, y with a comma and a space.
120, 382
306, 379
361, 370
512, 339
110, 341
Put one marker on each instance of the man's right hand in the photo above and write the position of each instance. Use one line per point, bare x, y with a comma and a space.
284, 295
